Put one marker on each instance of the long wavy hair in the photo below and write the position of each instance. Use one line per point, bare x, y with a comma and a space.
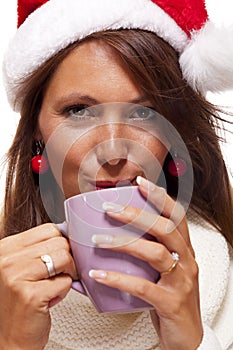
153, 65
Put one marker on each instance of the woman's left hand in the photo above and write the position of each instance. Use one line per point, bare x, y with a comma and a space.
175, 297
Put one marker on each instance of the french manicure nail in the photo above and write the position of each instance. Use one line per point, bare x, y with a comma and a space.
112, 207
97, 274
145, 183
100, 239
170, 227
148, 185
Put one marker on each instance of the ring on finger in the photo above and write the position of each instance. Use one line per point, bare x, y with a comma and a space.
48, 261
176, 258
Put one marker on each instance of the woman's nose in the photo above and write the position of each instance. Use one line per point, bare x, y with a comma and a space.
113, 146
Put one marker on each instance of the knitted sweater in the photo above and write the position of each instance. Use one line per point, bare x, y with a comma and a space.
76, 325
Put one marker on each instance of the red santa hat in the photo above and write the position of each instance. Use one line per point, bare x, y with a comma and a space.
45, 27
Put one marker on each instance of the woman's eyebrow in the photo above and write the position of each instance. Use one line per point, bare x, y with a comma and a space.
139, 100
74, 97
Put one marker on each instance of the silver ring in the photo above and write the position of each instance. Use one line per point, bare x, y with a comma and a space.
49, 264
176, 258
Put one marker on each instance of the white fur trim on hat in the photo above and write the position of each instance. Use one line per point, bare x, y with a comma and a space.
60, 22
205, 58
207, 61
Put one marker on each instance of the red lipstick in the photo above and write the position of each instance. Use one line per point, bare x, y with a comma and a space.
118, 183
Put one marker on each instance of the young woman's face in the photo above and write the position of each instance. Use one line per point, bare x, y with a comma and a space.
114, 139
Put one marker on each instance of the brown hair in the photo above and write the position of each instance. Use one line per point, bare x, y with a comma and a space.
153, 65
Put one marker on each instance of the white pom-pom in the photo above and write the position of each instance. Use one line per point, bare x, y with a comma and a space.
207, 61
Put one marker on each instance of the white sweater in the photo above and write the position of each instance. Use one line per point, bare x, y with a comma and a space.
76, 325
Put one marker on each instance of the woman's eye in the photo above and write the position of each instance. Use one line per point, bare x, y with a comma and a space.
143, 113
78, 112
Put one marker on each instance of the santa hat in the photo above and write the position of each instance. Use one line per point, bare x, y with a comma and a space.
46, 27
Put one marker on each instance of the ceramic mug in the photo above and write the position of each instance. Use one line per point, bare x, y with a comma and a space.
85, 217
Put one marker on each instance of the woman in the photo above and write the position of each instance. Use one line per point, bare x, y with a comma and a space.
129, 64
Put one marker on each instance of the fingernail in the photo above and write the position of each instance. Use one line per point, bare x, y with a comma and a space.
97, 274
100, 239
112, 207
149, 186
141, 181
170, 227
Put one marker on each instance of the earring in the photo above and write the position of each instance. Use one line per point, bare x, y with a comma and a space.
39, 163
177, 166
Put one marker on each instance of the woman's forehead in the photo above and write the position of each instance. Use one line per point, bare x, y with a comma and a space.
94, 71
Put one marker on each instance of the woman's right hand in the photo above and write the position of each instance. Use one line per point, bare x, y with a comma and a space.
26, 290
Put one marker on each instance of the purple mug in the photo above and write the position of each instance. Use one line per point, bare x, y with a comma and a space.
85, 217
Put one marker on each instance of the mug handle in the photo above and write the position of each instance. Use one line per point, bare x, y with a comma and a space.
77, 285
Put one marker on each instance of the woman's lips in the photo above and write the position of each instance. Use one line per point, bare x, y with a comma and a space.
100, 185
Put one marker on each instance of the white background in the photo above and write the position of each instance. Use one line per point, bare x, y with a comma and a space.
219, 12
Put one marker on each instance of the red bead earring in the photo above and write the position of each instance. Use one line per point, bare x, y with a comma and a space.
177, 166
39, 163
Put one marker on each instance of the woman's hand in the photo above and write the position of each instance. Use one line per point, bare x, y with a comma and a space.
175, 296
26, 290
